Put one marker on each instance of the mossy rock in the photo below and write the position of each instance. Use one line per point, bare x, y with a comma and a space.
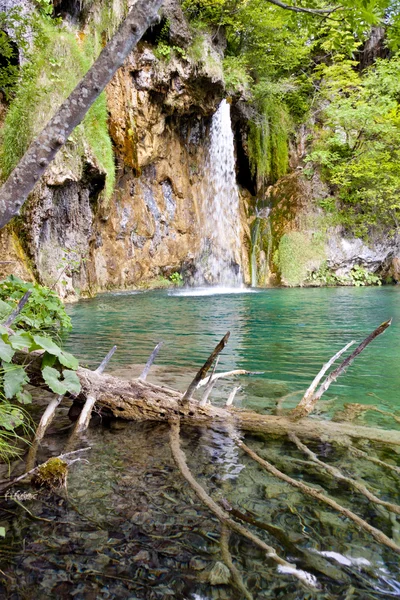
52, 474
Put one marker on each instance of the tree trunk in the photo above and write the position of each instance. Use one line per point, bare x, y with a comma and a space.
137, 400
44, 148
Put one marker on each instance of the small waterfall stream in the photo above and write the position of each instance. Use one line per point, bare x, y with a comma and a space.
219, 260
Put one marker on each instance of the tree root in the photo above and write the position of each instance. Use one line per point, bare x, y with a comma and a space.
314, 493
180, 459
337, 474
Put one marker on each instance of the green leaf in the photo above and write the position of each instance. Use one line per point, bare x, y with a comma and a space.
2, 532
6, 352
68, 360
48, 360
46, 344
14, 379
72, 382
52, 378
3, 330
5, 310
24, 397
19, 341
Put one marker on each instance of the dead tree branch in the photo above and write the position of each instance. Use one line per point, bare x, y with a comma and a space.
227, 374
200, 375
310, 399
180, 459
318, 495
44, 148
152, 358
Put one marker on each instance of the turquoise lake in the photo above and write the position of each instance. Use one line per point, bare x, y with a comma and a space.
286, 333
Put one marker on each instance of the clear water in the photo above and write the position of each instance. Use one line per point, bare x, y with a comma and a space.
130, 527
287, 334
219, 261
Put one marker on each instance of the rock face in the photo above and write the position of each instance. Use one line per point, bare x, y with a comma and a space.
296, 221
159, 119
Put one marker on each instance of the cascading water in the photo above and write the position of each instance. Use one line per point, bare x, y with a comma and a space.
220, 258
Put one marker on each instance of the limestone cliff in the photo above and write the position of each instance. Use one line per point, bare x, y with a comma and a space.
72, 236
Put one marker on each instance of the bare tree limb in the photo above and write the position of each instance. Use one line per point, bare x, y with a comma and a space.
15, 313
232, 395
180, 459
205, 368
308, 402
150, 361
337, 474
105, 361
44, 148
210, 385
310, 391
317, 495
299, 9
227, 374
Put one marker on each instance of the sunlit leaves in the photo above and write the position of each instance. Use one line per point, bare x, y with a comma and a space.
69, 383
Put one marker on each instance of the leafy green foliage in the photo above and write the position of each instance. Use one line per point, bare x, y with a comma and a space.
56, 63
43, 312
358, 144
35, 328
279, 57
176, 278
358, 276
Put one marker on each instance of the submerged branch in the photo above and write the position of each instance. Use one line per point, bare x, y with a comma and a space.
227, 558
361, 454
317, 495
337, 474
180, 459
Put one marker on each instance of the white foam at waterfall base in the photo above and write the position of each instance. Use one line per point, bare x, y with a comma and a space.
211, 291
219, 261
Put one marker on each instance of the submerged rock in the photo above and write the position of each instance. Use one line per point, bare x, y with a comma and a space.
219, 574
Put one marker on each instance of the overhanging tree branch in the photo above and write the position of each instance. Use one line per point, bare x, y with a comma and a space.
44, 148
300, 9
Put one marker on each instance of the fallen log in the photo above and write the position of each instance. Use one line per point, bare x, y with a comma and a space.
137, 400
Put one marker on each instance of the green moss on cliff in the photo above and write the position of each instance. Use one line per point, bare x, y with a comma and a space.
59, 60
268, 145
299, 254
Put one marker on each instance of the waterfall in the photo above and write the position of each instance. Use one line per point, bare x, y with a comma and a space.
219, 260
255, 235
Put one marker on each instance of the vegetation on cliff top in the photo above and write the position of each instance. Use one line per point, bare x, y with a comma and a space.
55, 63
304, 68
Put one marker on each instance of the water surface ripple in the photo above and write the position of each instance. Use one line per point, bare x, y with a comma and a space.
287, 333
